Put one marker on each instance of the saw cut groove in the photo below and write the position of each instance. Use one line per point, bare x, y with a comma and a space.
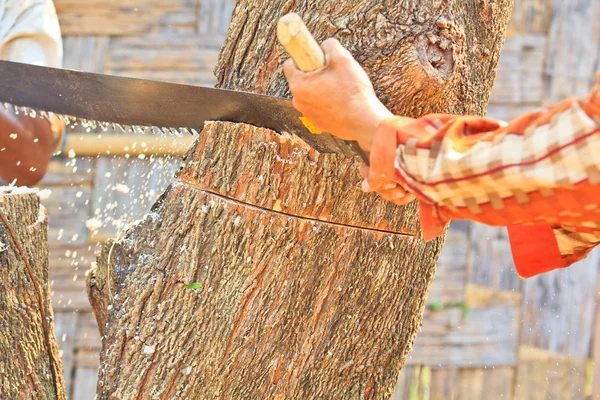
229, 199
281, 173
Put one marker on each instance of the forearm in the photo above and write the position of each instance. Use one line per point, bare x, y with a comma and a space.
25, 148
472, 168
539, 176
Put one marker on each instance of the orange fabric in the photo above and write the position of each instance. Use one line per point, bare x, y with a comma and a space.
538, 175
534, 249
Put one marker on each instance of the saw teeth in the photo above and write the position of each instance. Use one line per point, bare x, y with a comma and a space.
89, 125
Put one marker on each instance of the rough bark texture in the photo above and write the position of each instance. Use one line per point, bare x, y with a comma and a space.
422, 56
30, 367
283, 174
305, 287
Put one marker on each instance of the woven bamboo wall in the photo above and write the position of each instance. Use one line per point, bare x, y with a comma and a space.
487, 333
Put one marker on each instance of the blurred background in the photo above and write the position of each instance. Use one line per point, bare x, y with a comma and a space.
486, 333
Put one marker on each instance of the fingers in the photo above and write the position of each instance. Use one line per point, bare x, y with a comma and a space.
330, 44
395, 194
290, 70
364, 170
335, 52
399, 200
330, 48
389, 190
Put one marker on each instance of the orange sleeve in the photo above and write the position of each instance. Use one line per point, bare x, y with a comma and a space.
538, 175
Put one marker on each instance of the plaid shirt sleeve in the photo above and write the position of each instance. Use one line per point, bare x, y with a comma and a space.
538, 175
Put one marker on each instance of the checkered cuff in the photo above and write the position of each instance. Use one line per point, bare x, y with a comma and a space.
540, 170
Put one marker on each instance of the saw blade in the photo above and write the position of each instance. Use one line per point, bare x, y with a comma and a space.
99, 100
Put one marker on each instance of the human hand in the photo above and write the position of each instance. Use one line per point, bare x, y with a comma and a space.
387, 188
58, 131
338, 98
25, 148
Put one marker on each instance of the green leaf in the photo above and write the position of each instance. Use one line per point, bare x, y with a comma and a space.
194, 285
465, 309
436, 305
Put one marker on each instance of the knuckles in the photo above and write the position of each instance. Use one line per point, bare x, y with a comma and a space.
336, 53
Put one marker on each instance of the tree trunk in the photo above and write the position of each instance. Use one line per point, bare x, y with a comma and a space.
30, 367
265, 272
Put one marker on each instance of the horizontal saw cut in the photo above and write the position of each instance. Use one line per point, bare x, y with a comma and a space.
282, 173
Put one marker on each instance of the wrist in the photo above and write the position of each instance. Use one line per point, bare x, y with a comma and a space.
378, 113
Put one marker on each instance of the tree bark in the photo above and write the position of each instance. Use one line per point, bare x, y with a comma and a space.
30, 367
264, 271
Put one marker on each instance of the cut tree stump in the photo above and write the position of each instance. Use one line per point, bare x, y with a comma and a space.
264, 272
30, 366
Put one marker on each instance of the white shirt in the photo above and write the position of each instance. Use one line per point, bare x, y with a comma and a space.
30, 33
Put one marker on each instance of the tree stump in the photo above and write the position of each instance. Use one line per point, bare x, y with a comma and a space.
264, 271
30, 367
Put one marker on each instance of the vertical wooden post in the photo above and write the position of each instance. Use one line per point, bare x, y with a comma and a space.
30, 367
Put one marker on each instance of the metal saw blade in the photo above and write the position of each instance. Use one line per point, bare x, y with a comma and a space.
138, 102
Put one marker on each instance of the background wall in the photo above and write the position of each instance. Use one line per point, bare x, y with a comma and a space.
487, 334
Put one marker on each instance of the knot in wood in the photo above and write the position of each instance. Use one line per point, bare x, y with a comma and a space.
440, 48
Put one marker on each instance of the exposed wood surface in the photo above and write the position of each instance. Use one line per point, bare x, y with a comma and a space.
557, 376
572, 55
595, 349
30, 365
532, 16
424, 382
482, 337
87, 145
558, 309
299, 43
181, 58
125, 17
282, 173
